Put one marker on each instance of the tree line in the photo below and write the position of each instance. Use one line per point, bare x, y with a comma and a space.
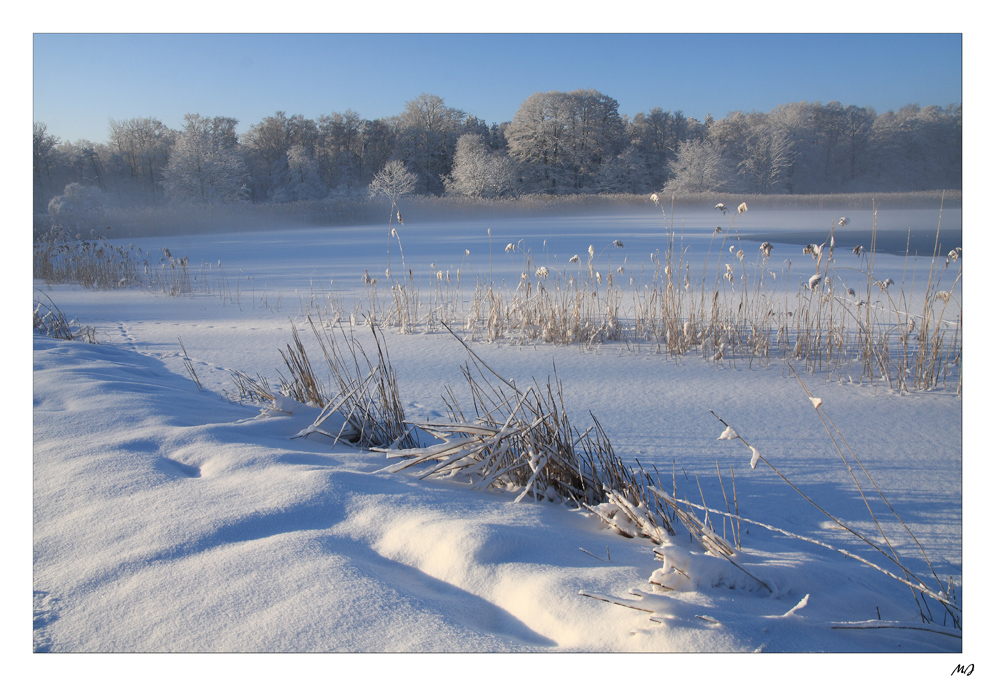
557, 143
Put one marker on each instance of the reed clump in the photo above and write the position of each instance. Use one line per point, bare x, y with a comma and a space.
358, 395
522, 440
93, 262
732, 308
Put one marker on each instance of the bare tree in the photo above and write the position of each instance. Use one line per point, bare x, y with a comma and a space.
44, 164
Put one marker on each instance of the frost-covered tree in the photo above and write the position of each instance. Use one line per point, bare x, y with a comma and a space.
829, 125
393, 182
652, 136
83, 162
855, 145
143, 145
798, 122
595, 132
730, 134
264, 151
698, 168
427, 132
378, 145
78, 208
766, 155
536, 140
339, 152
557, 143
917, 148
206, 165
45, 164
303, 180
623, 173
560, 139
479, 171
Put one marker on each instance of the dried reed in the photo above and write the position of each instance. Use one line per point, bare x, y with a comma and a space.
734, 312
522, 440
51, 321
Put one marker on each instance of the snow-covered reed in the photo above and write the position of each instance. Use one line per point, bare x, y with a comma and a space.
522, 440
365, 391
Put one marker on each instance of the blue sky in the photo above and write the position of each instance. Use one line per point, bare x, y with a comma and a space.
80, 81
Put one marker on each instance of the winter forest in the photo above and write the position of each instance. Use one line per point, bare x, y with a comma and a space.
558, 143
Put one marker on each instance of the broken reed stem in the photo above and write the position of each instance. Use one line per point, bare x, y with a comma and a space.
739, 530
523, 439
726, 498
54, 323
256, 390
824, 417
304, 387
904, 627
814, 504
920, 588
708, 521
189, 365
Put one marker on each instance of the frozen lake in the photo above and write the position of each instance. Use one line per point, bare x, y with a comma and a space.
337, 258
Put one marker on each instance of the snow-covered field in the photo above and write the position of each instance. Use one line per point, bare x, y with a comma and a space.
168, 518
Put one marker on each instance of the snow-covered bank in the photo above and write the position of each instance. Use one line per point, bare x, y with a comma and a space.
172, 520
168, 518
